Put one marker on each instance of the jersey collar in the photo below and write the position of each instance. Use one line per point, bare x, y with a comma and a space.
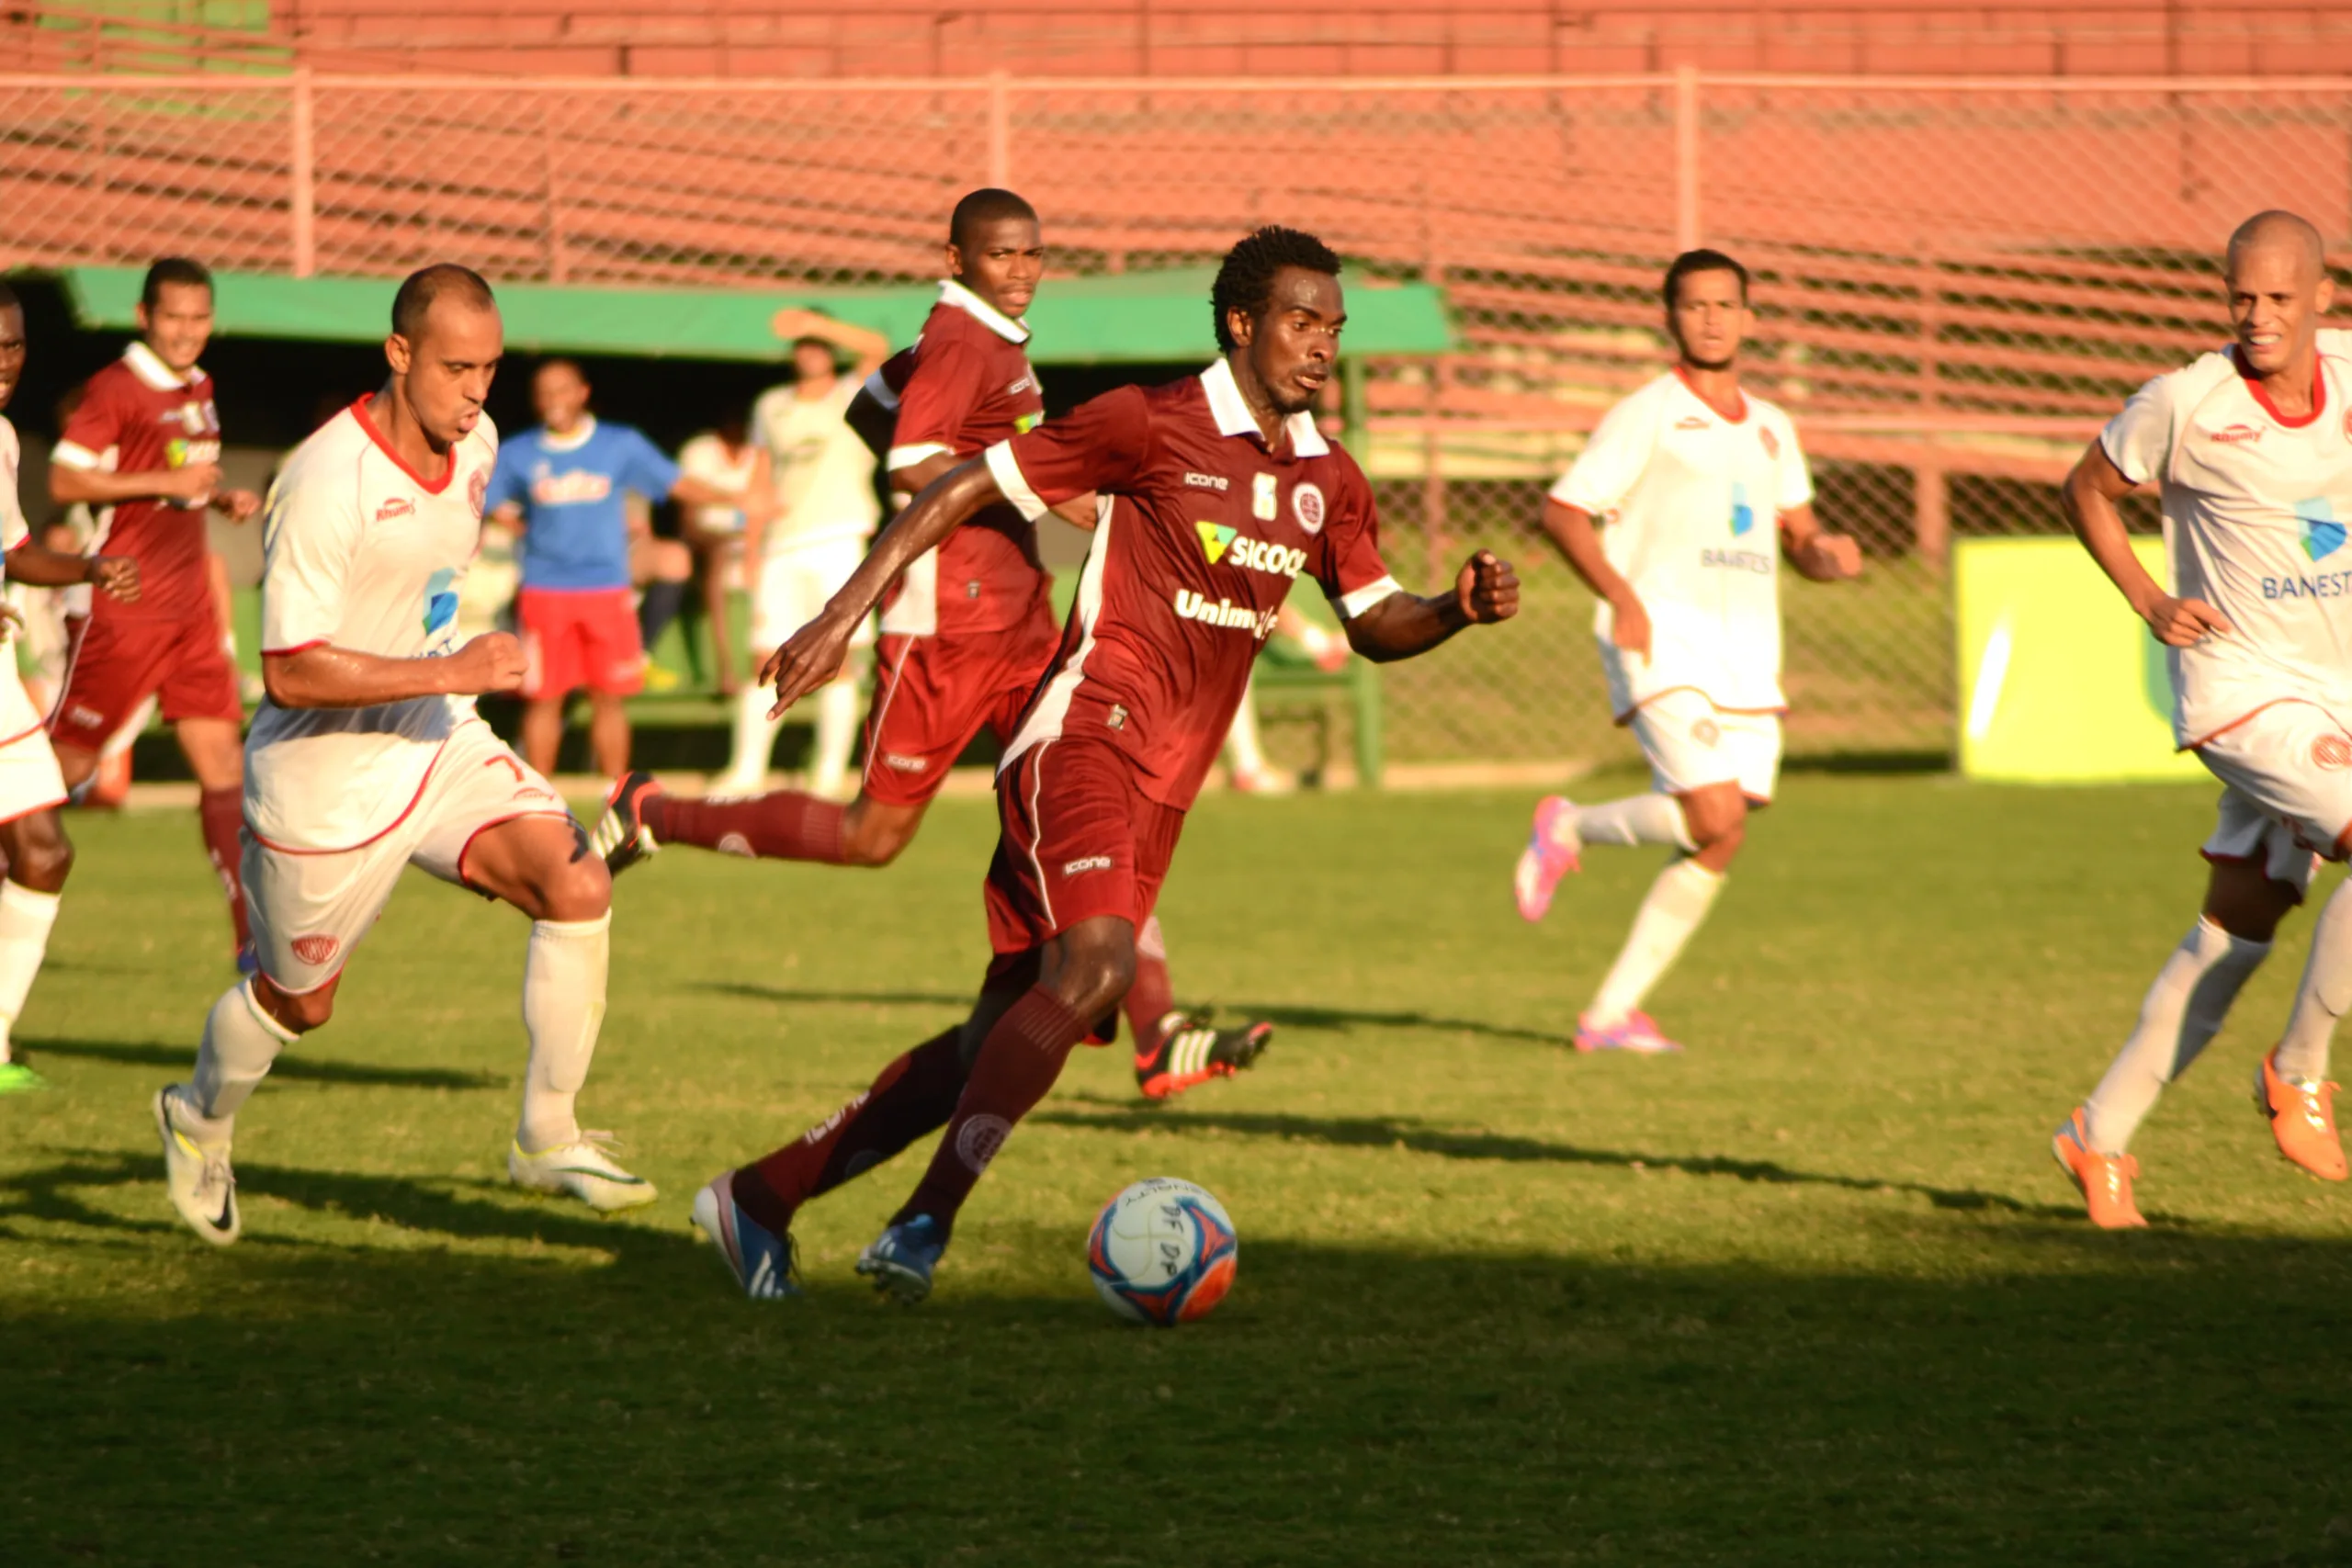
430, 487
149, 366
2262, 394
1231, 411
550, 442
1712, 413
954, 293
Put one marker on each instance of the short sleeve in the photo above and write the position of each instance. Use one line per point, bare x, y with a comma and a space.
309, 535
1348, 567
95, 424
1611, 463
647, 469
2138, 441
1101, 445
13, 529
937, 399
509, 484
1796, 474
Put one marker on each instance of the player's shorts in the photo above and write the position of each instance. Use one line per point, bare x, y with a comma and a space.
29, 780
119, 663
932, 694
795, 581
2288, 769
580, 637
1076, 839
1692, 743
309, 910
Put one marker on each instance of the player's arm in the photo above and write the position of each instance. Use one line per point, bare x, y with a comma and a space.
1816, 553
1577, 539
1401, 624
78, 471
41, 567
2091, 498
869, 347
325, 676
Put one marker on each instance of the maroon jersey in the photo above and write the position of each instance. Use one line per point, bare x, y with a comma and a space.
147, 417
965, 385
1194, 554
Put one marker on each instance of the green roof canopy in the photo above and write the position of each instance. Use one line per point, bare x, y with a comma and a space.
1142, 317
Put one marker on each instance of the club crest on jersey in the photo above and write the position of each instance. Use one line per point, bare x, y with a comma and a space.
1216, 538
478, 490
2332, 751
1261, 497
315, 951
1307, 506
2323, 535
1743, 517
1771, 441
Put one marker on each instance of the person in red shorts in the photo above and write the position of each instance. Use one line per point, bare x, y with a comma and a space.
1218, 492
967, 630
145, 440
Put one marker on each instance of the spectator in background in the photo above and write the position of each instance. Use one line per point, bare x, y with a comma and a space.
565, 486
819, 479
724, 457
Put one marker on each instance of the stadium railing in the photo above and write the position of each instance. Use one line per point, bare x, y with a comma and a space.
1956, 277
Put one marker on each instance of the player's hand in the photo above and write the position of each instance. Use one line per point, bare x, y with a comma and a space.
491, 662
195, 482
812, 658
238, 505
117, 576
1487, 589
1834, 558
2180, 623
792, 322
1630, 626
11, 622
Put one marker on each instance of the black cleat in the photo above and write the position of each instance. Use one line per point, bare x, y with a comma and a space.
1191, 1052
621, 835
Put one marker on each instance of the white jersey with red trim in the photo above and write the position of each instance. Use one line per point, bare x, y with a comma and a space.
359, 553
17, 715
2256, 510
1691, 502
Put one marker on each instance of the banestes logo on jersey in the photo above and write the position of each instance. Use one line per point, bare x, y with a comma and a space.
1218, 541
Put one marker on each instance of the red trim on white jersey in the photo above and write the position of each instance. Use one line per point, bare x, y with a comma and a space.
2262, 393
422, 785
431, 486
1628, 717
467, 848
1746, 408
297, 648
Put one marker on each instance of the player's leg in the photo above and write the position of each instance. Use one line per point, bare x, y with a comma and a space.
662, 569
40, 859
1562, 829
779, 607
198, 689
1176, 1050
608, 736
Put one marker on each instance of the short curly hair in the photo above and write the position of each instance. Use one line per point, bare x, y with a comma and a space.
1245, 281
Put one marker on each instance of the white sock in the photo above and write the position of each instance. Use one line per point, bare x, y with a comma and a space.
2182, 1011
1676, 902
563, 1006
2325, 995
836, 733
26, 917
1241, 748
240, 1042
1636, 819
754, 738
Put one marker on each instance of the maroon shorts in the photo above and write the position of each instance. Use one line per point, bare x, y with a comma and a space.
576, 637
1077, 839
932, 694
119, 663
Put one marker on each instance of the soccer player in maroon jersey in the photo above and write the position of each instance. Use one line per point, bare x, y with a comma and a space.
146, 441
1216, 491
968, 631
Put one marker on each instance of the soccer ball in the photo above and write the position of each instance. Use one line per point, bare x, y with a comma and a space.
1162, 1252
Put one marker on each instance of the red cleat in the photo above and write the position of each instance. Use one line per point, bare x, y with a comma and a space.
1189, 1052
2302, 1120
2104, 1180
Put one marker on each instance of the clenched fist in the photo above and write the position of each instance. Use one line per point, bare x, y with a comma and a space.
1486, 590
490, 663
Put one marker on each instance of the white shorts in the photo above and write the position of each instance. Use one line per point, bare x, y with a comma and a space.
309, 910
1692, 743
2288, 801
30, 781
794, 582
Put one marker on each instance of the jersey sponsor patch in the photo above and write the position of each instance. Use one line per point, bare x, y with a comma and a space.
1208, 482
1085, 864
1225, 613
2323, 535
1261, 497
398, 506
2235, 434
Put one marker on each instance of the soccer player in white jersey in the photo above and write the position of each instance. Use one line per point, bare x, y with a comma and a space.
31, 786
1703, 488
2251, 450
368, 757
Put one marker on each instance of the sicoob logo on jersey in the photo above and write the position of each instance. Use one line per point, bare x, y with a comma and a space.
2323, 535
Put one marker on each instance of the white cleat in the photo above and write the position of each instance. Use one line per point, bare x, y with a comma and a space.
581, 1169
203, 1187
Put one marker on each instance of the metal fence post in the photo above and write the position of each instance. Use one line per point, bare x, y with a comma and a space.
302, 195
1686, 158
999, 131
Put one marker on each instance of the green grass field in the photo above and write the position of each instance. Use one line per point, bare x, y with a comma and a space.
1811, 1293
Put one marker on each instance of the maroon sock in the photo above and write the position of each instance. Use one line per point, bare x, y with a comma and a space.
221, 814
1017, 1063
1152, 996
782, 826
913, 1096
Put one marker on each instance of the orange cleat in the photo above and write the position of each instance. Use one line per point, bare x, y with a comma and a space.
2303, 1118
2104, 1180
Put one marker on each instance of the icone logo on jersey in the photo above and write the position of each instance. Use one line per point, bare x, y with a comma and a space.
1207, 481
2323, 535
1218, 541
570, 489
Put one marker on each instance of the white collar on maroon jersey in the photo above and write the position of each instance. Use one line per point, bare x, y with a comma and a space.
1231, 411
954, 293
149, 366
550, 442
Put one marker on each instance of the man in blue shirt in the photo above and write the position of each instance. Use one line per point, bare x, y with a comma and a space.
565, 486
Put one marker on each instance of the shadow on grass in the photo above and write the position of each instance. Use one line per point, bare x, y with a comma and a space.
1409, 1133
178, 1059
960, 1000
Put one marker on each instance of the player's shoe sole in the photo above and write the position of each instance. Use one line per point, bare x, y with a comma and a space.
2302, 1121
202, 1184
2104, 1180
17, 1078
902, 1258
622, 837
1546, 858
762, 1262
579, 1169
1191, 1053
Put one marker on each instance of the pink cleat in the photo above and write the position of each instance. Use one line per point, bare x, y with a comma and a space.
1636, 1032
1553, 851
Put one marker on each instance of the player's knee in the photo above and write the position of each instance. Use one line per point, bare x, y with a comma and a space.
1096, 976
41, 861
876, 841
301, 1013
579, 889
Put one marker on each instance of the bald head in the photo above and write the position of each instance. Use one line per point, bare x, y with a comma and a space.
2278, 290
2286, 233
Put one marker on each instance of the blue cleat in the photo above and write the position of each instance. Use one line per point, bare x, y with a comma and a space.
900, 1261
762, 1261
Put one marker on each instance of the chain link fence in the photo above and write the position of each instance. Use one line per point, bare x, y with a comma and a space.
1957, 278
